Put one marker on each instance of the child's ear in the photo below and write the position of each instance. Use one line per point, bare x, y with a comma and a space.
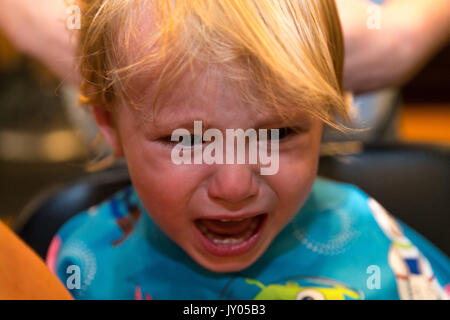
108, 128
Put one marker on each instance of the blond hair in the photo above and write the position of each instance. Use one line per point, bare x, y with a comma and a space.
283, 54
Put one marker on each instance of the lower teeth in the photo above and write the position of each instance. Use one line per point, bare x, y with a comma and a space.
224, 240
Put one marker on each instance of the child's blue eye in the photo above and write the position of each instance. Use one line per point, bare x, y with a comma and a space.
283, 133
192, 140
185, 141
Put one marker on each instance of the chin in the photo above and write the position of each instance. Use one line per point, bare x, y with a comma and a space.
227, 266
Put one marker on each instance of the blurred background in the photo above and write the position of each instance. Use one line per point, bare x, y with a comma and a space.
46, 137
39, 146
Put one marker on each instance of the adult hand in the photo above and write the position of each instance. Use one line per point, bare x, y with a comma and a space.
410, 32
38, 28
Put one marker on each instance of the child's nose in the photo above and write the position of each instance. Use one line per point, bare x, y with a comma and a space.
233, 183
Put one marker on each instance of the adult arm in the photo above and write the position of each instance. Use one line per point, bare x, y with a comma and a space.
38, 29
410, 33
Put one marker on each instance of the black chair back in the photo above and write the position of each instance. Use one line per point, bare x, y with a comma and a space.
44, 216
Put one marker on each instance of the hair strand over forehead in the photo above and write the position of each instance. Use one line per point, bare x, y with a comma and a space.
282, 54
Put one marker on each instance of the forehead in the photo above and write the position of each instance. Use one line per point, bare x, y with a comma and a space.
207, 96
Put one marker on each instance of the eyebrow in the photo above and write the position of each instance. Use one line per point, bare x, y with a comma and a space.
185, 124
278, 122
162, 127
169, 127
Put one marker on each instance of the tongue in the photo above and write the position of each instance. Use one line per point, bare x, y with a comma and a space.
230, 228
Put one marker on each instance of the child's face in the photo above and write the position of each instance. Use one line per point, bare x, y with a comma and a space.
188, 201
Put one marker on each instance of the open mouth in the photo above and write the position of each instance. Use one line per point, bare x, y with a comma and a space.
226, 237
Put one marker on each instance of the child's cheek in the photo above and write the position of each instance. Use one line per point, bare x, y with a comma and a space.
164, 188
295, 179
